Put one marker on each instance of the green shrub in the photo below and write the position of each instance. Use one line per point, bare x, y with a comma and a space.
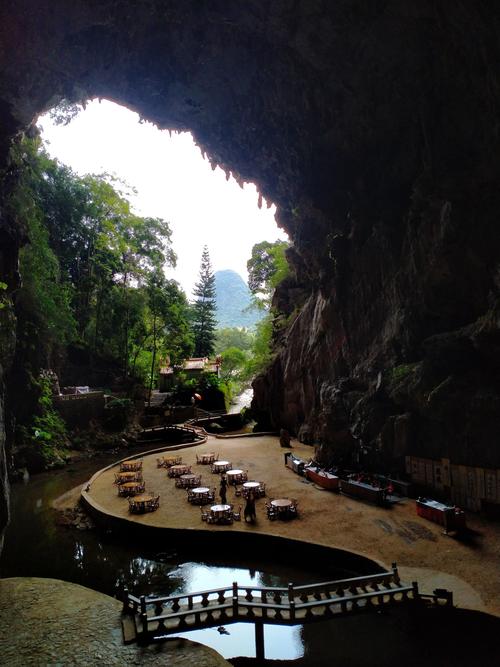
400, 372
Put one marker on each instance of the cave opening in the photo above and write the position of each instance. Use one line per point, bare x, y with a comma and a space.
165, 175
374, 130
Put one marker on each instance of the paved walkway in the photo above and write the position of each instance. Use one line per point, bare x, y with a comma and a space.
47, 622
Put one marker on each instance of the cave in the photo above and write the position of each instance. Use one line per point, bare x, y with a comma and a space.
373, 126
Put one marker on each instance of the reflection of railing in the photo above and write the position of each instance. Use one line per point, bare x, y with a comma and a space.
156, 618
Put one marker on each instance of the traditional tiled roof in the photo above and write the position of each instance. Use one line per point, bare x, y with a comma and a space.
193, 364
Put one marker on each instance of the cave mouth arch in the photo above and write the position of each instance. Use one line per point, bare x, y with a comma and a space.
356, 122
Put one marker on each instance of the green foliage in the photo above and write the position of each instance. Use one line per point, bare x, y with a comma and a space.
90, 268
233, 362
261, 353
203, 310
65, 112
233, 337
402, 371
3, 300
46, 434
118, 413
267, 267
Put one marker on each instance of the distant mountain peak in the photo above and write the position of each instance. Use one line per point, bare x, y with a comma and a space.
233, 297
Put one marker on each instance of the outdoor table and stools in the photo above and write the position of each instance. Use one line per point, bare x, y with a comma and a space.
130, 466
122, 477
146, 502
168, 461
284, 507
220, 466
200, 495
205, 459
187, 481
236, 476
258, 489
220, 514
131, 488
178, 470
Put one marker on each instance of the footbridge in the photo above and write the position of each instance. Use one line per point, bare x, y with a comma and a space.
149, 619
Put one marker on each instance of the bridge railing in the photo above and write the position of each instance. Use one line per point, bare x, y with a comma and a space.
264, 604
351, 585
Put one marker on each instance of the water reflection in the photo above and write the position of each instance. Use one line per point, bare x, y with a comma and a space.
282, 642
36, 547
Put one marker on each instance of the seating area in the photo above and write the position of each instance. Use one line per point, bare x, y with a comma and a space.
207, 458
168, 461
222, 515
236, 476
148, 502
131, 466
123, 477
188, 481
257, 488
282, 508
201, 495
178, 469
131, 485
221, 466
234, 482
131, 489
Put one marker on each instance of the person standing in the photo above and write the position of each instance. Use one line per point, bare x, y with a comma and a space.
249, 512
223, 490
285, 438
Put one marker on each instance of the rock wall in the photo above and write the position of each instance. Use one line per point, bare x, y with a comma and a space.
374, 128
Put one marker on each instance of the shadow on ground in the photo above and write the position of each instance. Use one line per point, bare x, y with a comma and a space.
434, 637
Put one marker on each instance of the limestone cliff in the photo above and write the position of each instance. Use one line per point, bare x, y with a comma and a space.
374, 128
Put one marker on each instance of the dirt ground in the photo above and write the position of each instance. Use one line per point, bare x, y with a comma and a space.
468, 566
52, 622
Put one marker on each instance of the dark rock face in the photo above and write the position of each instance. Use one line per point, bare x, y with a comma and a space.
374, 128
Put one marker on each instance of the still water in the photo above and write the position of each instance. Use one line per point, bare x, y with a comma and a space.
36, 547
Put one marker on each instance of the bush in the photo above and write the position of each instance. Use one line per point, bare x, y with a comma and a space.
43, 442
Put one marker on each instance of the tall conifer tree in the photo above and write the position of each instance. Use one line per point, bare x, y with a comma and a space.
204, 322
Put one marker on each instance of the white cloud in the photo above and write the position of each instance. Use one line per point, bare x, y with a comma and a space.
173, 182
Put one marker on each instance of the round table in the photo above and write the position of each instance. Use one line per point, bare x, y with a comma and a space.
143, 498
189, 479
172, 460
220, 466
251, 486
220, 509
127, 466
139, 504
234, 473
178, 470
207, 458
281, 504
130, 487
127, 476
200, 495
200, 491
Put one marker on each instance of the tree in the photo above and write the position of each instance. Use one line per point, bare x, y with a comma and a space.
203, 311
267, 267
233, 361
232, 337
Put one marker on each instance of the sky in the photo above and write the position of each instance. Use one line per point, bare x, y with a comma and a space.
173, 182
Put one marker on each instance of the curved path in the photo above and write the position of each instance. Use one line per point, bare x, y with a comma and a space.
422, 552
